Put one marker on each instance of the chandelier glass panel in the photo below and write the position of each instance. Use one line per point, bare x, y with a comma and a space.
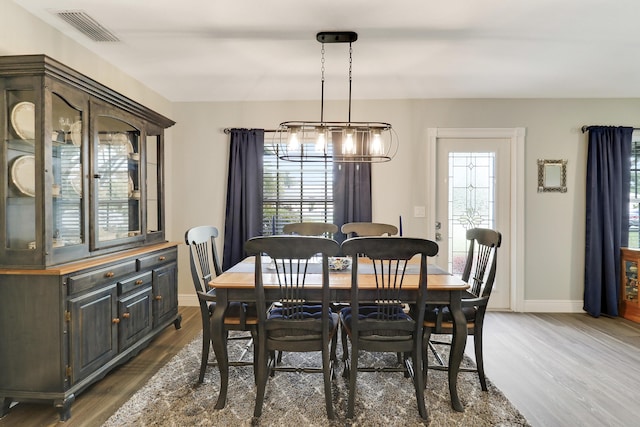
341, 142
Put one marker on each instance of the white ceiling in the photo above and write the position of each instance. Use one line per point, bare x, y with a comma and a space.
216, 50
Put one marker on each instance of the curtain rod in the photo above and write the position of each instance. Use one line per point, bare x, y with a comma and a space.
586, 128
228, 130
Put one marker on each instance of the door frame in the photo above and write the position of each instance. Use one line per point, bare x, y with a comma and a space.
516, 137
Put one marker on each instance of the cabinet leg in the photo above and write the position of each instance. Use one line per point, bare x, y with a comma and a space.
6, 402
64, 407
178, 322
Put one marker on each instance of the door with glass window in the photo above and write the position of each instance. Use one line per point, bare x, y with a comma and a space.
473, 190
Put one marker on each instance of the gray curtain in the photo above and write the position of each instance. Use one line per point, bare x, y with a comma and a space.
351, 194
607, 216
244, 193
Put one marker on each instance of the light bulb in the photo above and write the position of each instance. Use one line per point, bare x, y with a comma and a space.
348, 147
294, 143
376, 142
321, 142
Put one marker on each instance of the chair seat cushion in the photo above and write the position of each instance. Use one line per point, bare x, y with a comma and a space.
432, 312
373, 314
299, 312
301, 323
395, 312
236, 309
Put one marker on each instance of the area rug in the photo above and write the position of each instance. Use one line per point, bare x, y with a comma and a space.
173, 397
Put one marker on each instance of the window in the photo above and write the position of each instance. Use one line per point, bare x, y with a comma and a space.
471, 181
295, 192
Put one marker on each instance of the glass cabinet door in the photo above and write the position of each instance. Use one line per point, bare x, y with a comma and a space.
67, 190
630, 287
155, 220
117, 181
20, 154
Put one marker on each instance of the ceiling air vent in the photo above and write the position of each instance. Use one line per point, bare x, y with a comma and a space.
87, 25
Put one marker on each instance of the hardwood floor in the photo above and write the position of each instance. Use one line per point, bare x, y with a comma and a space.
565, 369
557, 369
96, 404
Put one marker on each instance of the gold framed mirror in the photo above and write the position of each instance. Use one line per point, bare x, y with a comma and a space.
552, 176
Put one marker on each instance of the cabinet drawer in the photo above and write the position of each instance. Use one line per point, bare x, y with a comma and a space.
157, 258
82, 282
134, 282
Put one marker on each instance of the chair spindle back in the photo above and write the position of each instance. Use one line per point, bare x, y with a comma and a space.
480, 267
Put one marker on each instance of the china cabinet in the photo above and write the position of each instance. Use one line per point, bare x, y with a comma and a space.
629, 305
86, 276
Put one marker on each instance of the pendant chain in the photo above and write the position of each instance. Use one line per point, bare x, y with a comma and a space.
350, 70
322, 89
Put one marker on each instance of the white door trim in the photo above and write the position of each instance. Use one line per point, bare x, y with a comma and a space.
516, 137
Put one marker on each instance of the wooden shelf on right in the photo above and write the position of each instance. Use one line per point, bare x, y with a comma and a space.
629, 305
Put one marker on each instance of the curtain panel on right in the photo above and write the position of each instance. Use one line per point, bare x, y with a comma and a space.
607, 216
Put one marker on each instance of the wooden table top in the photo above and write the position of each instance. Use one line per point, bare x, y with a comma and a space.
244, 279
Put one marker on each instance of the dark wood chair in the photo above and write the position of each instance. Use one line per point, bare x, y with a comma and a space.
365, 229
381, 324
480, 273
204, 267
291, 324
310, 229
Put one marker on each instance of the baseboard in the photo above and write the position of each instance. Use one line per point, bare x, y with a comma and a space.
553, 306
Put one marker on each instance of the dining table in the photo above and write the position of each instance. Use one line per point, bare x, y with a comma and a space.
237, 284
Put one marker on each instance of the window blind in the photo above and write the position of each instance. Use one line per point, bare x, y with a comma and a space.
295, 192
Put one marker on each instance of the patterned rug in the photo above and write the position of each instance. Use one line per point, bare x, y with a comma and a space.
173, 397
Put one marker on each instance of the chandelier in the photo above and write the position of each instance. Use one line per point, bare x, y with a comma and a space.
342, 142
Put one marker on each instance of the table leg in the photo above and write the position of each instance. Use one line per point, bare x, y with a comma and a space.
459, 341
219, 341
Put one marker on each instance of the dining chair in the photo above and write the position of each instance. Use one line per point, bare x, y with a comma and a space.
291, 324
382, 324
365, 229
368, 229
310, 229
204, 267
479, 272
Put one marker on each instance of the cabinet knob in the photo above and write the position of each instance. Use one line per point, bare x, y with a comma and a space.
126, 315
162, 258
116, 320
139, 282
109, 274
158, 297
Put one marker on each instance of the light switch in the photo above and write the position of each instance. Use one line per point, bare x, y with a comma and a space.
419, 211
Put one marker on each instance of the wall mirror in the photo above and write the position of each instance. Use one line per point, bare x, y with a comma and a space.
552, 175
